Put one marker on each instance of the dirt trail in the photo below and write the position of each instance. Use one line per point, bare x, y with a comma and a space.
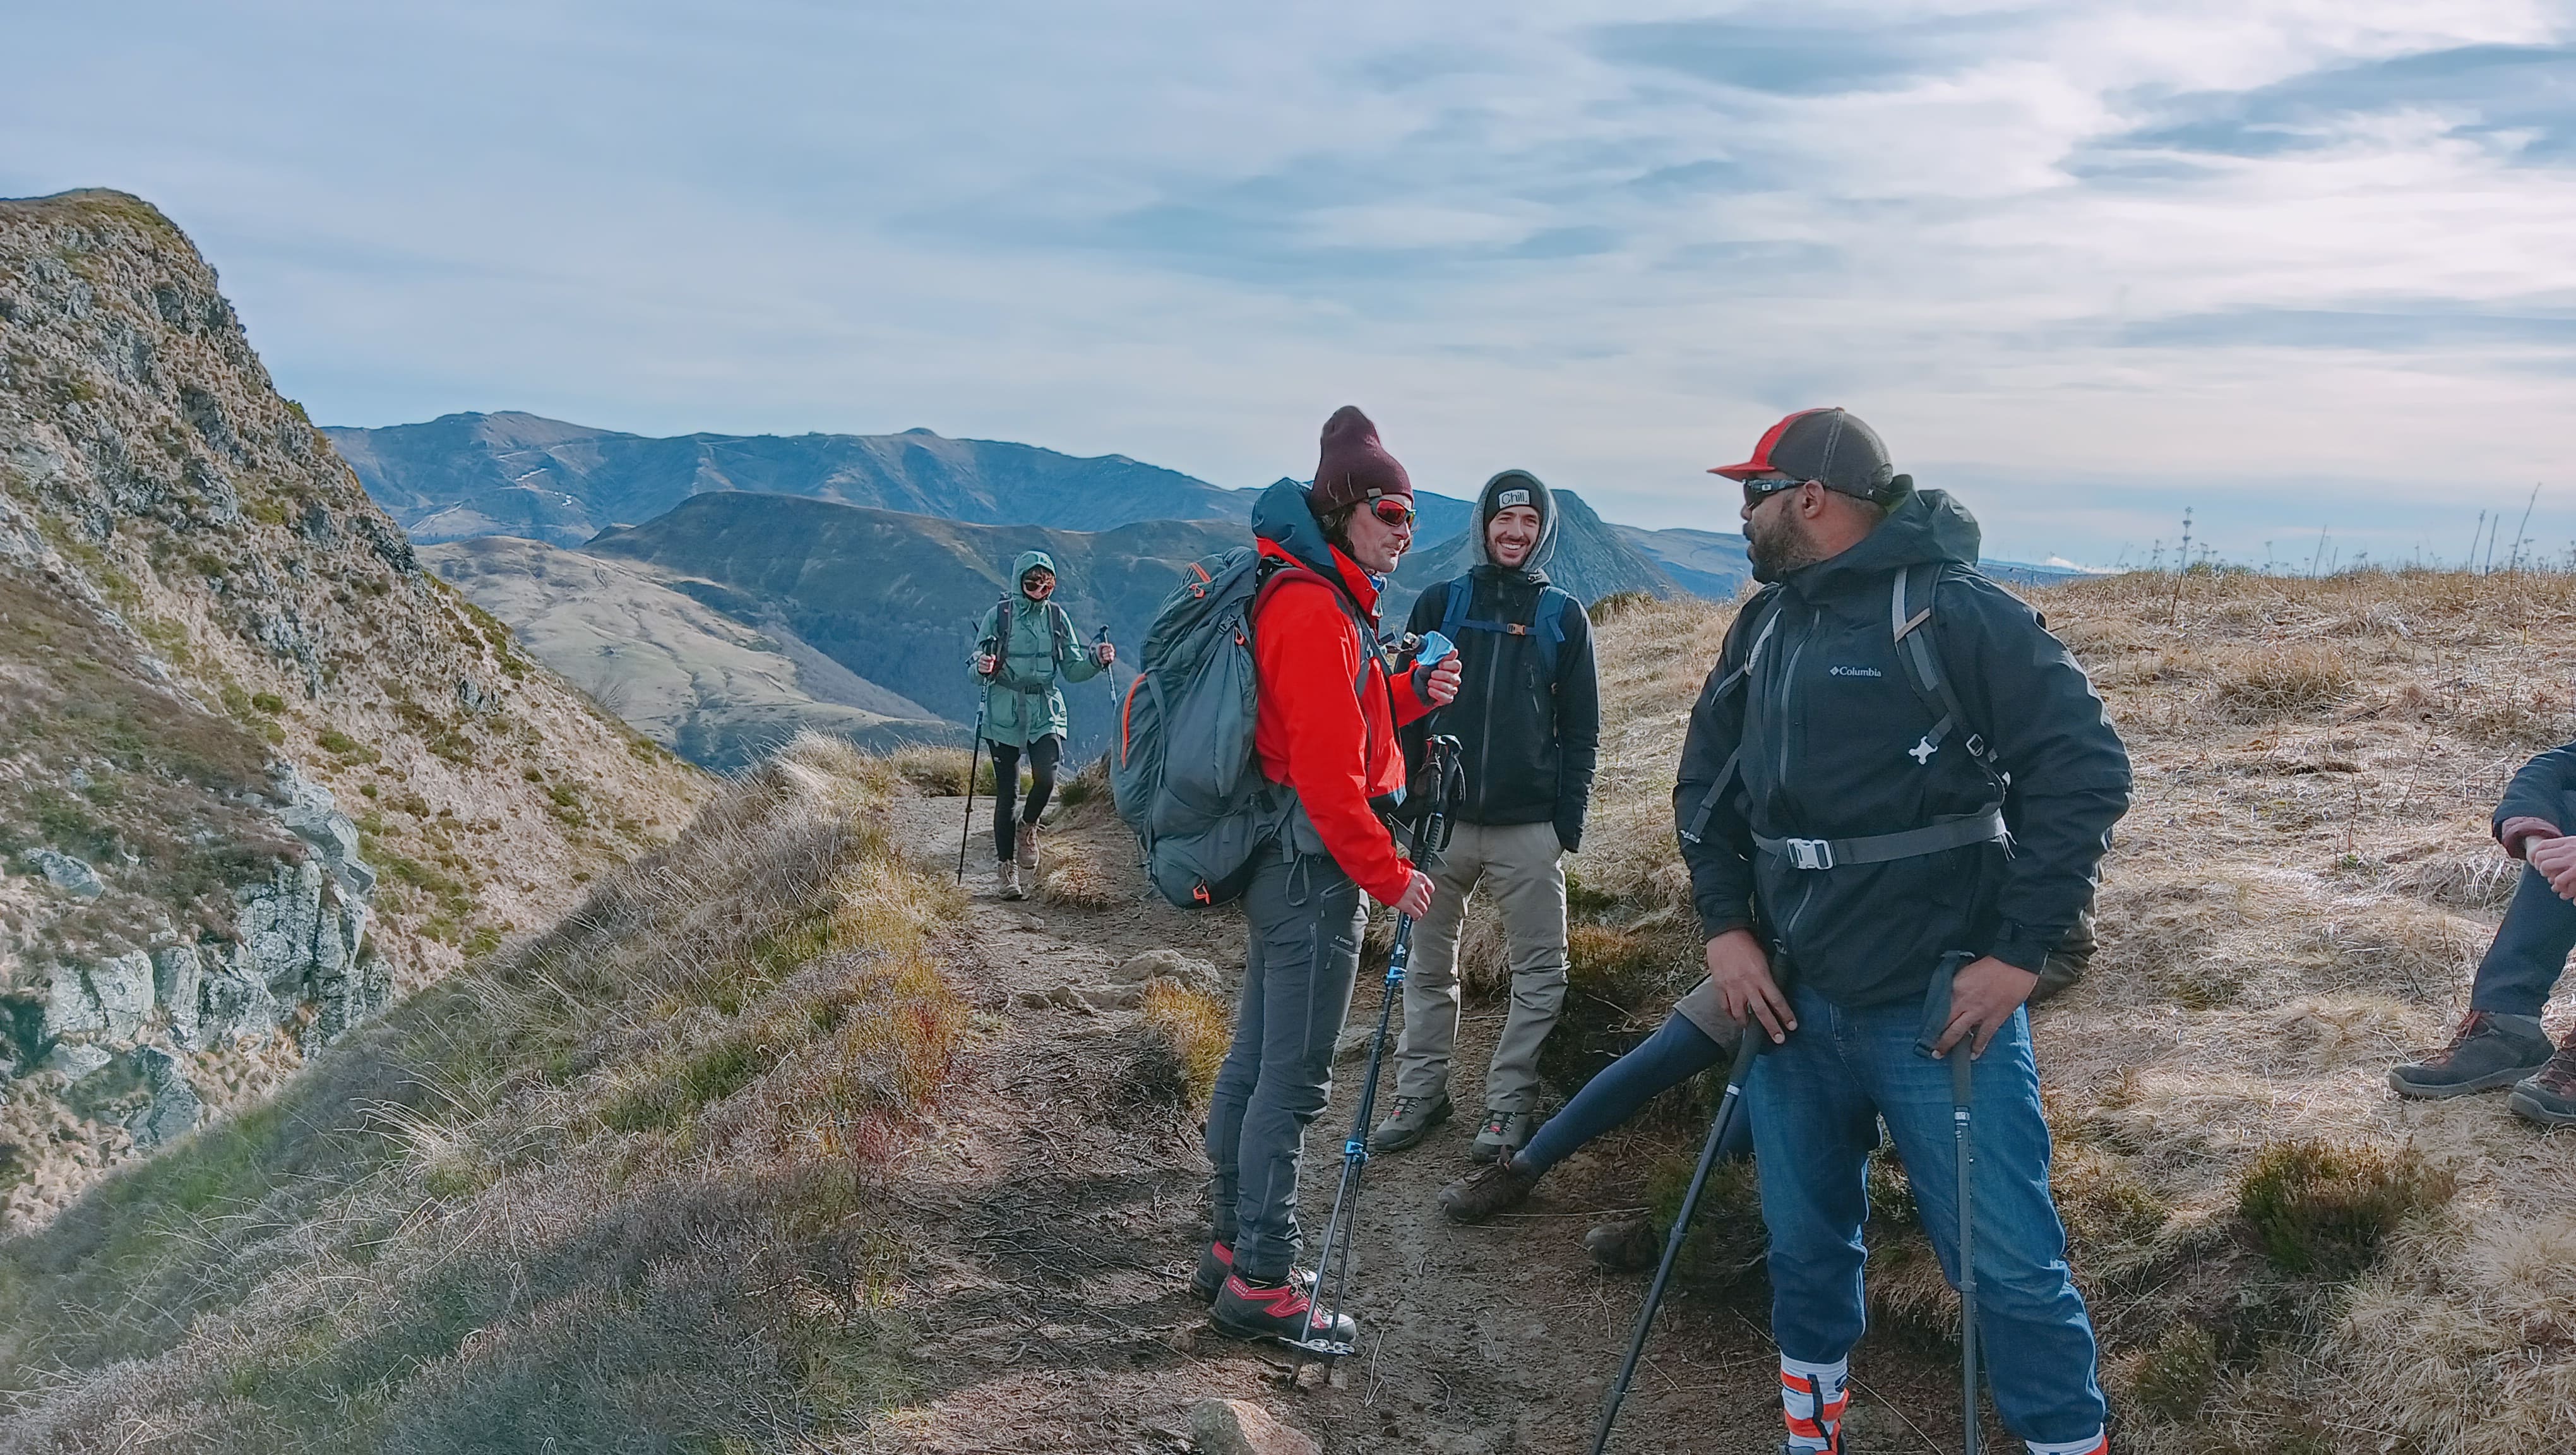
1058, 1319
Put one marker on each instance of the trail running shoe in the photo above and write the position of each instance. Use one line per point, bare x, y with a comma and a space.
1024, 849
1503, 1131
1413, 1120
2484, 1055
1277, 1311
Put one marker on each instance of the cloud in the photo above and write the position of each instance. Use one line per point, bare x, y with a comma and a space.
2520, 99
2110, 242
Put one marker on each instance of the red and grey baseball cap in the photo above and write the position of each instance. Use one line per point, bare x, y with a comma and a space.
1829, 446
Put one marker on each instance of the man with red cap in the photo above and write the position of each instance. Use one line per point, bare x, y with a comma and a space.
1328, 709
1878, 716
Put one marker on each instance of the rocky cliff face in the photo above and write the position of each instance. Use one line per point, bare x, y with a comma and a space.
259, 773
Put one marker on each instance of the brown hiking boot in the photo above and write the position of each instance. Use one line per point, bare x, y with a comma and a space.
2548, 1096
1024, 850
2485, 1054
1624, 1246
1488, 1190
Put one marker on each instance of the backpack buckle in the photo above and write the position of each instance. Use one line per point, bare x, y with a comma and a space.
1810, 853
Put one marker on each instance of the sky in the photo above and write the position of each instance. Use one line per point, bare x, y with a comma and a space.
2306, 269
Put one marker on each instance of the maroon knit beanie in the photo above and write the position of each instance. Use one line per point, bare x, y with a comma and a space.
1354, 467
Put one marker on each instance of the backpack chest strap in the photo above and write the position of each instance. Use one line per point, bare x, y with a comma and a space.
1938, 837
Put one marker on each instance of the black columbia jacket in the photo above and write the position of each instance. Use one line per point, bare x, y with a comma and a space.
1831, 729
1529, 738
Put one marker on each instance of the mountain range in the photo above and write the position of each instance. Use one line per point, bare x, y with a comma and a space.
722, 590
519, 474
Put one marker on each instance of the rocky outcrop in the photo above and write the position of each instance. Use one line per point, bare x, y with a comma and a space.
115, 1029
259, 772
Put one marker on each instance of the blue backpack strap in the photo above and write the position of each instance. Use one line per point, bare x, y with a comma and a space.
1453, 617
1553, 604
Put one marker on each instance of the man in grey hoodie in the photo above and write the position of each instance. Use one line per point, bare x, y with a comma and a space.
1528, 721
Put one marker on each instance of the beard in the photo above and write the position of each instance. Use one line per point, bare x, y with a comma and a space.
1779, 547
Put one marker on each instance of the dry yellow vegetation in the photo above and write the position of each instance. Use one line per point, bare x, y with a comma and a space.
2280, 1253
622, 1183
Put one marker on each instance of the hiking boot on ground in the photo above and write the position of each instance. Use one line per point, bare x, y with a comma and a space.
2548, 1096
1009, 874
1486, 1191
1216, 1260
1503, 1131
1024, 849
2486, 1053
1626, 1246
1413, 1120
1248, 1310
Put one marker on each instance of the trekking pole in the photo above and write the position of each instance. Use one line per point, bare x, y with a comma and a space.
1962, 1102
1109, 674
1338, 1229
967, 831
983, 699
1729, 1107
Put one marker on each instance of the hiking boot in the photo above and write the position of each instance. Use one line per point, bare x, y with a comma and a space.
1216, 1260
2484, 1054
1009, 874
1488, 1190
2549, 1095
1414, 1118
1625, 1246
1503, 1131
1247, 1310
1024, 849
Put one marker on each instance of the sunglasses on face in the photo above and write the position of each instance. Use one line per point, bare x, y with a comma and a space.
1757, 491
1392, 512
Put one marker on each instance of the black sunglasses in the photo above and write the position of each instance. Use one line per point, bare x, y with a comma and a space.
1392, 512
1757, 491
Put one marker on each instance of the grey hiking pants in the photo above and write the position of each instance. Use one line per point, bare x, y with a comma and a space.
1523, 867
1305, 919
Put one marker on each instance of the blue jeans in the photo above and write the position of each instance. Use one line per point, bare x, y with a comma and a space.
1816, 1104
1669, 1057
1305, 919
2530, 950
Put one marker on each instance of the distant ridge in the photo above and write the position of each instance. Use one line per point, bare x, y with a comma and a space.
519, 474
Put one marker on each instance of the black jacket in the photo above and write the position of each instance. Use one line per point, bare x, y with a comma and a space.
1827, 718
2544, 789
1529, 740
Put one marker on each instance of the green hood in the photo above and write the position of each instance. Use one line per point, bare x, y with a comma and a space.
1033, 561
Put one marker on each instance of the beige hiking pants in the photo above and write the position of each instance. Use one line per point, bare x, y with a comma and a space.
1522, 867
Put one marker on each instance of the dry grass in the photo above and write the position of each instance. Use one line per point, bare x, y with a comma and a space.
625, 1178
2295, 902
1194, 1029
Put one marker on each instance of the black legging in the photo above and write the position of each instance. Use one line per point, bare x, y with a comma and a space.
1044, 754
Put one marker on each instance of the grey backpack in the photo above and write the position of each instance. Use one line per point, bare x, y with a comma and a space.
1183, 770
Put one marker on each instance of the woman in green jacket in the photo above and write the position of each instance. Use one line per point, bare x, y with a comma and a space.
1023, 648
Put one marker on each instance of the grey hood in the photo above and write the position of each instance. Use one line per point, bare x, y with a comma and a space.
1540, 496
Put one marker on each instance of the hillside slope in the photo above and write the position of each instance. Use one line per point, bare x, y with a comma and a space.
719, 692
2273, 1245
895, 597
259, 774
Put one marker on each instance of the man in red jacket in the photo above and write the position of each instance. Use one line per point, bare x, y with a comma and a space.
1326, 735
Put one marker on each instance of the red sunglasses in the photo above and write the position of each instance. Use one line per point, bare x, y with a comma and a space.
1392, 512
